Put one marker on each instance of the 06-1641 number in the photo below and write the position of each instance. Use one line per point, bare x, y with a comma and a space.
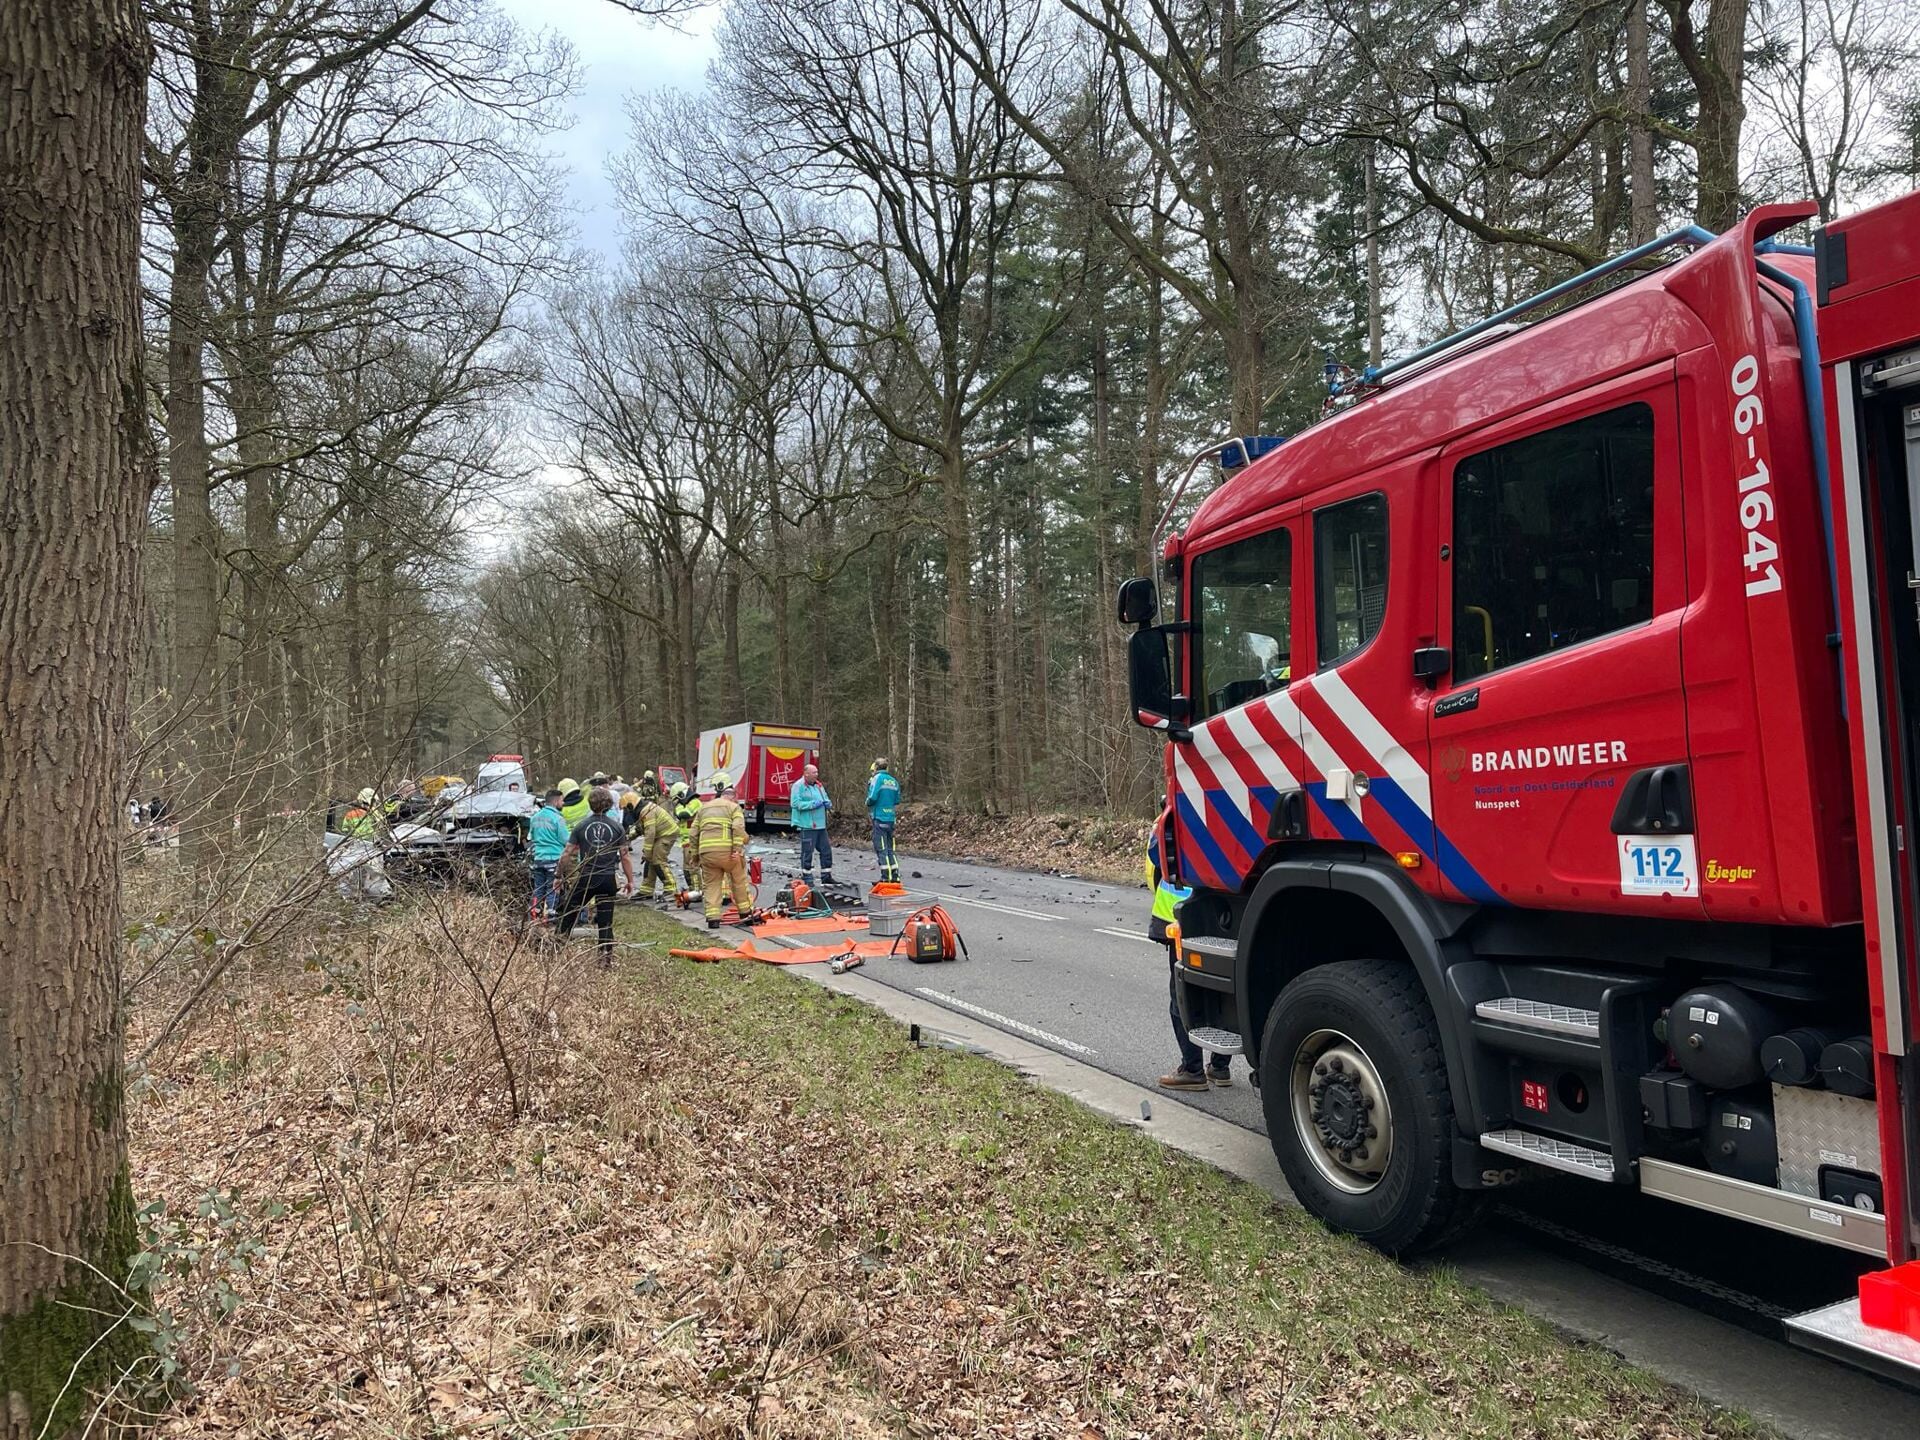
1756, 487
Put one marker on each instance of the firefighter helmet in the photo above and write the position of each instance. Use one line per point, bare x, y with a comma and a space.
720, 783
365, 797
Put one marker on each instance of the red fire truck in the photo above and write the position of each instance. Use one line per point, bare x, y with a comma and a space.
1544, 748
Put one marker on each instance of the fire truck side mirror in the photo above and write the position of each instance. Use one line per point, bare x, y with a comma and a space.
1138, 603
1150, 678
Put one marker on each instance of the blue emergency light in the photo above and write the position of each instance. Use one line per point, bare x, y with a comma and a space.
1247, 449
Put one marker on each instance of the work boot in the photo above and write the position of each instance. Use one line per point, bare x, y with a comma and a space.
713, 922
1183, 1080
827, 879
1220, 1075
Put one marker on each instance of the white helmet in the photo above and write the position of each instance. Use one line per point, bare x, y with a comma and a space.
720, 783
365, 797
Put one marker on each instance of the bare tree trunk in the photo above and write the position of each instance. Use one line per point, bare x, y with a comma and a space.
963, 671
196, 536
1040, 679
1109, 640
688, 657
883, 619
733, 688
1723, 113
814, 636
1645, 205
1716, 64
258, 709
783, 685
74, 479
1374, 281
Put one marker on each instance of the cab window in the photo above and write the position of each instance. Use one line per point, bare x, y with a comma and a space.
1552, 540
1349, 575
1243, 601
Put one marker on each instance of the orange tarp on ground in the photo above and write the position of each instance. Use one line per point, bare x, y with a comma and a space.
780, 955
810, 924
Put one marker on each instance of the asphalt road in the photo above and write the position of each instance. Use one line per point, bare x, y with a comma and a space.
1056, 959
1064, 962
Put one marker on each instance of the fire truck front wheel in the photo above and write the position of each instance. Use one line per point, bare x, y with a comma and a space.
1354, 1085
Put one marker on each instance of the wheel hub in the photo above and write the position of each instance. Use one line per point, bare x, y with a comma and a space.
1340, 1111
1339, 1107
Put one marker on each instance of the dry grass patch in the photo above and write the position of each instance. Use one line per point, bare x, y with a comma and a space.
732, 1205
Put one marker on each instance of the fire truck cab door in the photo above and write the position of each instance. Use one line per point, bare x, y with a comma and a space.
1561, 590
1237, 777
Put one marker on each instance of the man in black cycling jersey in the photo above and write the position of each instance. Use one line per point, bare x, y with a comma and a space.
599, 847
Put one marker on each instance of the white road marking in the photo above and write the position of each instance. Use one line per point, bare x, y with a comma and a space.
992, 1018
985, 905
1127, 935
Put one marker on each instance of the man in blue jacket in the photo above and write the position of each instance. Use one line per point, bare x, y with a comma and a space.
883, 802
809, 802
547, 834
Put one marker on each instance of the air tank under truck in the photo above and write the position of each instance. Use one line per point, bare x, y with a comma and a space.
1544, 751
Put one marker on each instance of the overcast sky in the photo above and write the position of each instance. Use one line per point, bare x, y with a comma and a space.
620, 54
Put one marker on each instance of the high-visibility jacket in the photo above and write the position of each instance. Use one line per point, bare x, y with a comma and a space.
357, 823
686, 813
576, 812
721, 827
1166, 897
883, 797
656, 823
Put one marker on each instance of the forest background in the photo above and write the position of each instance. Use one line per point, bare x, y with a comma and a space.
917, 311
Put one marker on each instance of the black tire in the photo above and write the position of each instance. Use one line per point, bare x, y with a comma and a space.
1380, 1007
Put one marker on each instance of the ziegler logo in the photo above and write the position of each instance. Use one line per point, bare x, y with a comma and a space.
1453, 760
1718, 874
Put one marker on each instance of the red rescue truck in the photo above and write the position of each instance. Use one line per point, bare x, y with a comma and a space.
1544, 757
763, 761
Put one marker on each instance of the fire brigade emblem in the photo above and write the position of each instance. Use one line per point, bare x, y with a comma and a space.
723, 751
1452, 760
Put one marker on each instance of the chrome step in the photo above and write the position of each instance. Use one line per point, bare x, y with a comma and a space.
1539, 1015
1220, 1042
1551, 1152
1837, 1332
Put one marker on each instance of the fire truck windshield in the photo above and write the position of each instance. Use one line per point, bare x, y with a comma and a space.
1244, 608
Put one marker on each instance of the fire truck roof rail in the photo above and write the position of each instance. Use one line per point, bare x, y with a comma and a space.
1690, 235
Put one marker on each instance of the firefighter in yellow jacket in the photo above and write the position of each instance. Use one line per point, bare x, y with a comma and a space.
686, 810
720, 845
654, 834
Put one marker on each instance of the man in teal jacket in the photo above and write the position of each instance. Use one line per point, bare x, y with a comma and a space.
809, 802
547, 833
883, 802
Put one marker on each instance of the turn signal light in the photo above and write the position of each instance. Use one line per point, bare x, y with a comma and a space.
1407, 859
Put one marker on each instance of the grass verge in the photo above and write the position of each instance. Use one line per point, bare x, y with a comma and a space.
415, 1180
1041, 1259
